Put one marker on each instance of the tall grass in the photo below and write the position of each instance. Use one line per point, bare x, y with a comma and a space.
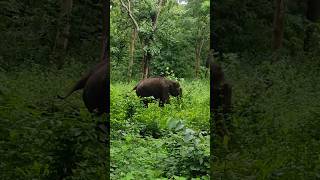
43, 137
276, 122
141, 141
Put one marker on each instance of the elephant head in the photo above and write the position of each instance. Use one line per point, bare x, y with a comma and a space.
174, 88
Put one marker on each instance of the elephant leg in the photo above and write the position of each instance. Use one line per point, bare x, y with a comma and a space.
164, 100
164, 97
168, 101
145, 102
161, 103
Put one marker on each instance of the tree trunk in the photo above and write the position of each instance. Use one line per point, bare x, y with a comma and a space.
313, 10
63, 32
197, 61
105, 43
198, 51
147, 55
132, 47
278, 25
146, 59
145, 42
313, 15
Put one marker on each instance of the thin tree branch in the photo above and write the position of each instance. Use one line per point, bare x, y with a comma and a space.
158, 14
128, 8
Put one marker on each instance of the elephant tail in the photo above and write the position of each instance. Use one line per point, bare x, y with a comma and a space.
134, 88
79, 85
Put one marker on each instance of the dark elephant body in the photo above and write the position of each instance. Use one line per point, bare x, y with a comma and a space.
220, 97
94, 85
158, 87
95, 91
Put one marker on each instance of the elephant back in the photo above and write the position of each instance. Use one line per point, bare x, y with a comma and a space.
95, 90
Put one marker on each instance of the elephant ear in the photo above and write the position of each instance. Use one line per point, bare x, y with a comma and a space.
168, 84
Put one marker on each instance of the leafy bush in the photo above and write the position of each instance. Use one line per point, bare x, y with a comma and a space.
275, 106
140, 137
189, 152
43, 137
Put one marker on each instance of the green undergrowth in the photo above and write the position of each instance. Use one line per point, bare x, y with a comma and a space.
155, 142
42, 137
276, 122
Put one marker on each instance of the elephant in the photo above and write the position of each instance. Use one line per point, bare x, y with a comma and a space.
94, 85
158, 87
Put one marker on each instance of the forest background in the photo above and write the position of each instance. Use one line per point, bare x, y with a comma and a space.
268, 49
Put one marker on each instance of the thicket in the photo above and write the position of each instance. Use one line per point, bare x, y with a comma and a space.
275, 133
43, 137
29, 33
275, 121
180, 41
154, 142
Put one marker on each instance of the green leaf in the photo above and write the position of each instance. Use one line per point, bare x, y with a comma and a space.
179, 125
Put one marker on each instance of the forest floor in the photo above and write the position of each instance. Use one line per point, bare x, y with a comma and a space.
276, 122
155, 142
41, 136
275, 133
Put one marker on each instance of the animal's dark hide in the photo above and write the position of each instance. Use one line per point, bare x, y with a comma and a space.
94, 85
158, 87
220, 97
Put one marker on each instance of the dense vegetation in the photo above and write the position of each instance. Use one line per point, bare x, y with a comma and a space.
42, 137
179, 42
275, 129
154, 142
29, 30
275, 124
46, 46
